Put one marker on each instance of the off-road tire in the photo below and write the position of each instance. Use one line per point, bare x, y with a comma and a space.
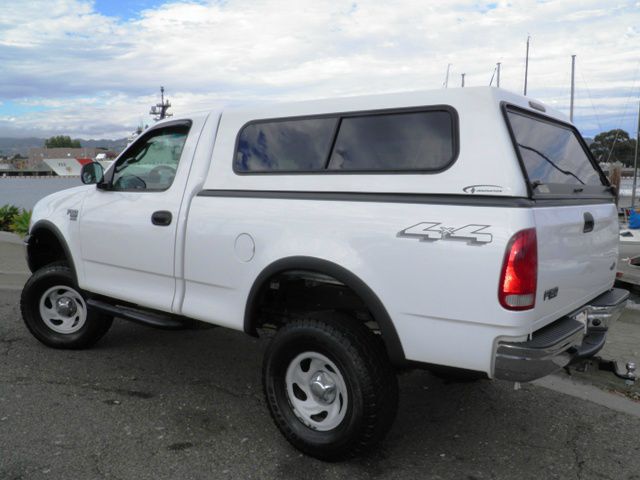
370, 380
95, 324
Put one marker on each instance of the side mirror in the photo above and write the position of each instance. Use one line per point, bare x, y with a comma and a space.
92, 173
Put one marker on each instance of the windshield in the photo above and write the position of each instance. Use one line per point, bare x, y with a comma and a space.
551, 153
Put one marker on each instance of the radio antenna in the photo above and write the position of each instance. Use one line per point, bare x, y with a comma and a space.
159, 110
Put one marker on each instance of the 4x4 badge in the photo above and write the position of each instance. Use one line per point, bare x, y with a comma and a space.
431, 231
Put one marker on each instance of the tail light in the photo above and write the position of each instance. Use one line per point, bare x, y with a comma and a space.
519, 274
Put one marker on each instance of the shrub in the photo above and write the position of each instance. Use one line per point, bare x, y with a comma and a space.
7, 214
20, 223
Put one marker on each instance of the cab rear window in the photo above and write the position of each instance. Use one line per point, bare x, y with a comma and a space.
552, 154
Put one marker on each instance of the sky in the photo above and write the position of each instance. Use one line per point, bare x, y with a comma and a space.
92, 69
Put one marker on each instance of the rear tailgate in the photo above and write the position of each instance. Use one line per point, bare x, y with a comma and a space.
575, 264
575, 217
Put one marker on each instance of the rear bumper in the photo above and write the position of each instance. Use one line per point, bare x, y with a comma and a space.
578, 335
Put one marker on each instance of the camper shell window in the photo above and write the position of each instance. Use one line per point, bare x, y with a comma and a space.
553, 155
416, 140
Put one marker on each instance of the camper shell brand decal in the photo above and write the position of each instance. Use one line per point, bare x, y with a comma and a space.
483, 189
432, 231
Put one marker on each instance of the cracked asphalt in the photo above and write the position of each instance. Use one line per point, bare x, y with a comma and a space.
150, 404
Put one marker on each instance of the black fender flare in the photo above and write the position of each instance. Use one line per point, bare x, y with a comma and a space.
348, 278
46, 225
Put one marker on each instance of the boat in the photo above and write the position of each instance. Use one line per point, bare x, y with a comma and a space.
629, 246
70, 166
629, 256
66, 167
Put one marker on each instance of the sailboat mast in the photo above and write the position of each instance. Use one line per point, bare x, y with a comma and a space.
526, 66
498, 74
573, 86
159, 110
446, 78
635, 164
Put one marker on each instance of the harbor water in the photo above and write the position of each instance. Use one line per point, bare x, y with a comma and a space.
24, 192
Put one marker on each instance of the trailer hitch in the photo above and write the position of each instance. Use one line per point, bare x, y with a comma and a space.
613, 366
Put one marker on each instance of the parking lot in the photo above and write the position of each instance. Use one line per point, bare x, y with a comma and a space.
149, 404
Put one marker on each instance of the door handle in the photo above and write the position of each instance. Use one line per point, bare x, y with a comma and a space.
588, 223
161, 218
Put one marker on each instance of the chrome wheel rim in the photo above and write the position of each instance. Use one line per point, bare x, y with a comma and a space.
63, 309
316, 391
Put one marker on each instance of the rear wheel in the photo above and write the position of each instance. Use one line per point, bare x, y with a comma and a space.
55, 312
329, 386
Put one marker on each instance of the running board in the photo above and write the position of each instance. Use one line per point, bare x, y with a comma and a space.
150, 319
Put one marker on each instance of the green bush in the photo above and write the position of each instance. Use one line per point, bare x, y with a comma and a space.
14, 219
20, 224
7, 214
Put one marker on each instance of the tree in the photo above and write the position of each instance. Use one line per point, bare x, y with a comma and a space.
62, 141
604, 148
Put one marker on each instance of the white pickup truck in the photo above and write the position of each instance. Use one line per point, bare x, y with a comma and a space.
464, 231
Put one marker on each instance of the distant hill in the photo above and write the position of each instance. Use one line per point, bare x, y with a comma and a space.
115, 145
10, 146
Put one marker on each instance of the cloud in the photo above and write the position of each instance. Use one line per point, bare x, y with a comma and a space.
97, 75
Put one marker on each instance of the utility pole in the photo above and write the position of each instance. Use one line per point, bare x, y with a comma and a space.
498, 74
446, 78
573, 86
526, 66
463, 79
635, 164
159, 110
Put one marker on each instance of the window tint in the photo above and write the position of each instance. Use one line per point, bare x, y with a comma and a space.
151, 163
292, 145
410, 141
403, 141
551, 152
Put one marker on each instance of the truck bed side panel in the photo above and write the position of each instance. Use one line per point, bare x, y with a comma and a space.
443, 294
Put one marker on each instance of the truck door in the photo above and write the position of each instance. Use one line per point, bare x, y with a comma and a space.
128, 224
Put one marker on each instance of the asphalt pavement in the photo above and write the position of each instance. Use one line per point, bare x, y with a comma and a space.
13, 265
150, 404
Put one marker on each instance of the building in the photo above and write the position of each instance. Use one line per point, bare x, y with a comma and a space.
63, 161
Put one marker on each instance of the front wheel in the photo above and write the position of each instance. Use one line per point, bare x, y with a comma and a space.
329, 386
55, 312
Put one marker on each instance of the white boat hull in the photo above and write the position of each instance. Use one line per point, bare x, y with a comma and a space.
70, 167
629, 257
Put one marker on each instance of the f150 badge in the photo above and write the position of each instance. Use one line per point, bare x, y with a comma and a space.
432, 231
73, 214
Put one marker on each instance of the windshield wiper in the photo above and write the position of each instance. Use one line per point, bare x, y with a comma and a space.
535, 184
551, 162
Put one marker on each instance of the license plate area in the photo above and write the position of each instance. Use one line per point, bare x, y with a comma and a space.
582, 317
